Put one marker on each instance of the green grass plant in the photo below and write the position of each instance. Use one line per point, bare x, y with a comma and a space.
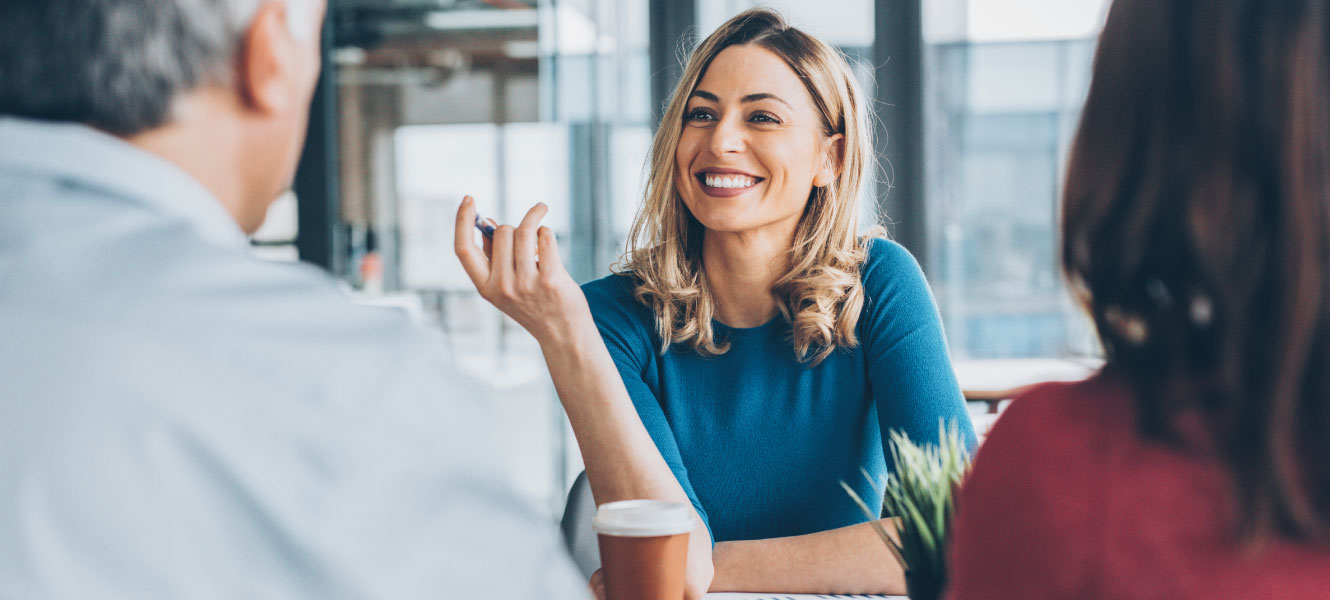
921, 493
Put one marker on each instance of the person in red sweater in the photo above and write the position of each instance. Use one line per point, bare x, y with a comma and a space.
1196, 229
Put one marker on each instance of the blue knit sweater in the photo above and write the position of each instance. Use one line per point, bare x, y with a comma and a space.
760, 441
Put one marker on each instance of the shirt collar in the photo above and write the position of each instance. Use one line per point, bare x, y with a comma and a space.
84, 156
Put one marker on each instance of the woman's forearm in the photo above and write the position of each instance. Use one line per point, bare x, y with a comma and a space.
849, 560
621, 459
520, 272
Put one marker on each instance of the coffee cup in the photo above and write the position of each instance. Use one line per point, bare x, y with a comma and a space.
643, 548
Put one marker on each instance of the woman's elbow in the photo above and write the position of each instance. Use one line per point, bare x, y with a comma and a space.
695, 587
697, 580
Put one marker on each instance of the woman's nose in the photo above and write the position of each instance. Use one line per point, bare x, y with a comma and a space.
728, 137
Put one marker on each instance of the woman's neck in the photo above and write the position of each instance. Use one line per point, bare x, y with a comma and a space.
741, 268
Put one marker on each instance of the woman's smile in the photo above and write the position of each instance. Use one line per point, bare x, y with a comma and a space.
726, 183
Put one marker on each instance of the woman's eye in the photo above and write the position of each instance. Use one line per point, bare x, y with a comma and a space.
763, 118
698, 114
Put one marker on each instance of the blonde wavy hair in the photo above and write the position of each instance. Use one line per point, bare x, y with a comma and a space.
821, 296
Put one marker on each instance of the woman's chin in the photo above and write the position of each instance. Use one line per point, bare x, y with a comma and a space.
732, 229
743, 224
740, 215
725, 223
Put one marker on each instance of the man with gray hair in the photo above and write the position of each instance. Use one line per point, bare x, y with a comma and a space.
178, 419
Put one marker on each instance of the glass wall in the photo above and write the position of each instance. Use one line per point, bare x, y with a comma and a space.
514, 103
1004, 84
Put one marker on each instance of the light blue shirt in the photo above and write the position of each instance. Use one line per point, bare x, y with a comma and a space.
181, 420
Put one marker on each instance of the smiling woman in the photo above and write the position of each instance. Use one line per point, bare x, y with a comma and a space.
753, 348
767, 125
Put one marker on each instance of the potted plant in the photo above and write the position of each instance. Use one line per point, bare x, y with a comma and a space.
921, 493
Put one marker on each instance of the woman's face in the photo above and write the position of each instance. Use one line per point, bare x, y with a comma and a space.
753, 144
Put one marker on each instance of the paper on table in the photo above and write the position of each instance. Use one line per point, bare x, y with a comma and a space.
769, 596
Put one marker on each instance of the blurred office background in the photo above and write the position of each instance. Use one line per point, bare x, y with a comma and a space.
524, 101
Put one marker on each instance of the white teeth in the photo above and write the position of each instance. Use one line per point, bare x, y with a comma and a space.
729, 181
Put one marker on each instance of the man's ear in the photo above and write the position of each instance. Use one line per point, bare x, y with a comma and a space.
833, 160
268, 61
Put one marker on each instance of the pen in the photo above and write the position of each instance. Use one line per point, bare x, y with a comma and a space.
486, 226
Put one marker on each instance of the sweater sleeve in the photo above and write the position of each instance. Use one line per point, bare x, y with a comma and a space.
623, 325
914, 385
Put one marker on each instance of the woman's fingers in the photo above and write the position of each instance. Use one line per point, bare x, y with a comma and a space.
512, 261
597, 585
501, 258
518, 270
473, 260
548, 250
524, 243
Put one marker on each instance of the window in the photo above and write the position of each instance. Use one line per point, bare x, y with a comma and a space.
1004, 81
529, 102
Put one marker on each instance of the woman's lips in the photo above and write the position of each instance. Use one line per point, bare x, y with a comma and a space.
724, 185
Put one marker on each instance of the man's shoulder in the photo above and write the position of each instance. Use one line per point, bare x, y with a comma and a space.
152, 282
297, 306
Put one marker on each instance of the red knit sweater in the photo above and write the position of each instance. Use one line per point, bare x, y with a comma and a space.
1068, 501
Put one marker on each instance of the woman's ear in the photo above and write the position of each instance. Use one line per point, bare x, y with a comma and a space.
833, 161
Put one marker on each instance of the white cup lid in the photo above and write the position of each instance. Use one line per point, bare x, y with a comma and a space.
642, 518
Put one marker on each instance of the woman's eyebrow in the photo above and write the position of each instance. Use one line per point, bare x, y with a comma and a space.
705, 95
765, 96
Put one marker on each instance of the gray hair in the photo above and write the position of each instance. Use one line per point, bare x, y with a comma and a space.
118, 65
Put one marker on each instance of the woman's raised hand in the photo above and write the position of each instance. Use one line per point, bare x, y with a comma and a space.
519, 271
539, 294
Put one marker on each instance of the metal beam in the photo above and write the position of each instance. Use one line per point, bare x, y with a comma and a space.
898, 64
315, 183
672, 30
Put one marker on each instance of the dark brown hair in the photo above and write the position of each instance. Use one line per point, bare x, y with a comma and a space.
1196, 225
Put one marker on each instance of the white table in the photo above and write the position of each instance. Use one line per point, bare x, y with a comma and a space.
994, 380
